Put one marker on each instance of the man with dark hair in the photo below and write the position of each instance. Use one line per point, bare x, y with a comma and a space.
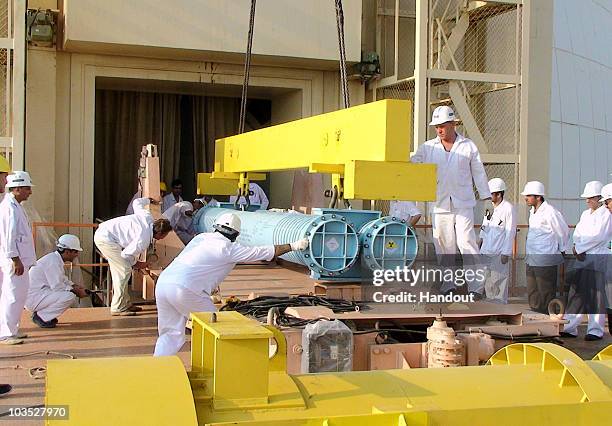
122, 241
175, 195
547, 241
186, 285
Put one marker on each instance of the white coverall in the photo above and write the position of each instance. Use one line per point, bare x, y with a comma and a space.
50, 289
453, 211
15, 241
168, 201
404, 210
256, 196
180, 222
547, 237
186, 285
591, 236
122, 240
497, 234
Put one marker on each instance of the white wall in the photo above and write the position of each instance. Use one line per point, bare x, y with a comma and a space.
581, 114
287, 28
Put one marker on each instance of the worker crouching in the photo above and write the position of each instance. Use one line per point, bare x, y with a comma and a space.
186, 285
51, 292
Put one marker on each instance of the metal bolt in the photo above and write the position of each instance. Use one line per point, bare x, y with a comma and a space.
387, 350
333, 216
297, 349
375, 227
306, 256
369, 235
366, 245
311, 265
343, 219
376, 351
308, 234
384, 220
367, 256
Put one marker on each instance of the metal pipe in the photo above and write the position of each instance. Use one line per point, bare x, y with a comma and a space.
334, 245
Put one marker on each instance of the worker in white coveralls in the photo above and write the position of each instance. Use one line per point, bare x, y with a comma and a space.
591, 247
122, 241
17, 255
458, 165
5, 169
256, 196
51, 293
180, 217
186, 285
497, 238
606, 199
547, 242
405, 210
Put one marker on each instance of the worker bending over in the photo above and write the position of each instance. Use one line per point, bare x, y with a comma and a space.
122, 241
256, 196
17, 255
497, 239
458, 164
180, 217
186, 285
547, 242
587, 294
51, 292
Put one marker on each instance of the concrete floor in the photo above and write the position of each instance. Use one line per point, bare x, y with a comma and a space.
92, 332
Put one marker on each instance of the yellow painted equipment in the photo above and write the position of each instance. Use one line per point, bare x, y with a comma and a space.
233, 381
366, 148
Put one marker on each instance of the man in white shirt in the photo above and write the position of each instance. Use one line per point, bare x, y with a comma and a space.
186, 285
458, 165
5, 169
180, 217
606, 199
256, 196
51, 293
547, 242
175, 196
587, 290
17, 255
122, 241
497, 238
405, 210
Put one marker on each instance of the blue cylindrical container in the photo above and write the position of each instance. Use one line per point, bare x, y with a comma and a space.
334, 244
387, 243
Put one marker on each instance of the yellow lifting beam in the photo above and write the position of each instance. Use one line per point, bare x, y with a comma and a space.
366, 148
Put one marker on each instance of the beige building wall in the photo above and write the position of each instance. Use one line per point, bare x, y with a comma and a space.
197, 42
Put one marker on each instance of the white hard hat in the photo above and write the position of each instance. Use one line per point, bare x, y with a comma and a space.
592, 189
497, 185
70, 242
17, 179
229, 220
534, 188
442, 114
606, 192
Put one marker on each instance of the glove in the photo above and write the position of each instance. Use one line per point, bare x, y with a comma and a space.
299, 245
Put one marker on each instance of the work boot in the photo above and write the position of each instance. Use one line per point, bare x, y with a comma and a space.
610, 321
20, 335
40, 322
134, 308
10, 341
566, 334
591, 337
53, 321
5, 390
123, 314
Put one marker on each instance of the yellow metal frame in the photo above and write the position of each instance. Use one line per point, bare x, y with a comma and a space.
366, 148
235, 380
